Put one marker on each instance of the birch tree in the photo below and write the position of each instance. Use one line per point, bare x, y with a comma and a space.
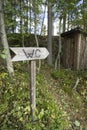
4, 41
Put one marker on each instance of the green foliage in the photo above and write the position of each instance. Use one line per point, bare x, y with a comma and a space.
77, 123
15, 105
3, 54
20, 15
51, 116
67, 79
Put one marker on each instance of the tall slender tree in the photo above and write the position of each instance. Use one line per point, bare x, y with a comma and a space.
50, 33
4, 41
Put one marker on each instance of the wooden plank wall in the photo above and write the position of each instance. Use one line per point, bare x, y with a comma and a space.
75, 51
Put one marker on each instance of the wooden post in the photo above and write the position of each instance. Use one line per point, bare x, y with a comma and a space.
30, 53
33, 88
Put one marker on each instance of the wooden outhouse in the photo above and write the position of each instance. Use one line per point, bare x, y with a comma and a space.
74, 49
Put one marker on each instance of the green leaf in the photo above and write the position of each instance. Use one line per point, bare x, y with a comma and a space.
77, 123
41, 114
3, 56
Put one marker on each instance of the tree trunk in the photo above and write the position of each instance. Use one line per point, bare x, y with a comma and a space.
57, 61
30, 18
50, 33
35, 15
78, 51
5, 42
64, 22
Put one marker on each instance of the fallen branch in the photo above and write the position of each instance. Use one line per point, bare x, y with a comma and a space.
77, 81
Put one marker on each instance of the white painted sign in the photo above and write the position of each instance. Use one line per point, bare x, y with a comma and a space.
29, 53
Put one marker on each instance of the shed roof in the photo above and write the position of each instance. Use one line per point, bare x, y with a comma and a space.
73, 31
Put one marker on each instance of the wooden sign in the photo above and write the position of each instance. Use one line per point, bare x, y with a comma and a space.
29, 53
32, 54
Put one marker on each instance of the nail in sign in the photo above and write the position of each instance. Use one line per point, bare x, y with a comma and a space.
29, 53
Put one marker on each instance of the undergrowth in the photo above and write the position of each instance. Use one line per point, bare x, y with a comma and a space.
15, 104
68, 78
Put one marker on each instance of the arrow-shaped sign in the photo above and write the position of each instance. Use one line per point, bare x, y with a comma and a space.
29, 53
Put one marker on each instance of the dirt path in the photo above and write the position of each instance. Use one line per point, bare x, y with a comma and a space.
75, 109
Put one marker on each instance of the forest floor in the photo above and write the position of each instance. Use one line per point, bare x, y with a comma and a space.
72, 101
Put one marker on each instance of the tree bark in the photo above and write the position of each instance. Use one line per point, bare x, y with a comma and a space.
5, 42
57, 61
50, 33
64, 22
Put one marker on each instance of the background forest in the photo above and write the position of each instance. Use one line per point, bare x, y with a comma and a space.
27, 16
